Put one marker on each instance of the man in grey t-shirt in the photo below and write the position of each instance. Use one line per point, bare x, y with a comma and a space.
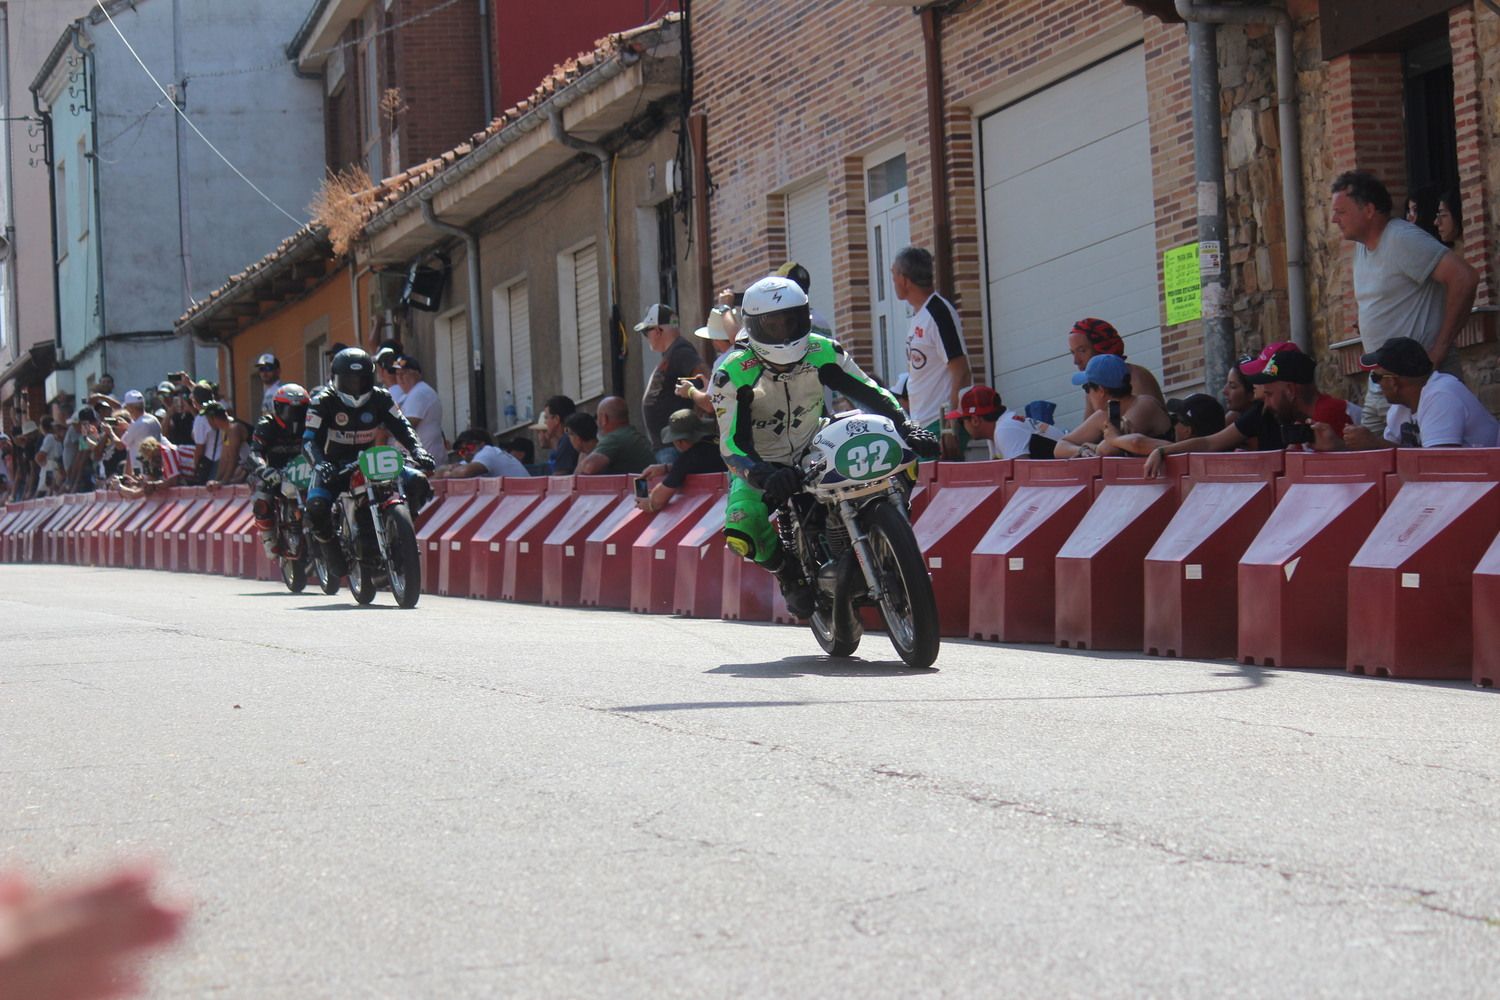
1406, 283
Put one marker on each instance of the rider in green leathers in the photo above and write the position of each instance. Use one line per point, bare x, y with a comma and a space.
768, 396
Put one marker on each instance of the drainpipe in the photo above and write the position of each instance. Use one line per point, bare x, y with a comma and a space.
486, 60
937, 157
698, 137
97, 237
1213, 225
477, 403
1291, 145
607, 172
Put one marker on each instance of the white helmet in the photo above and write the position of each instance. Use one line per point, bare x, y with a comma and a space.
777, 320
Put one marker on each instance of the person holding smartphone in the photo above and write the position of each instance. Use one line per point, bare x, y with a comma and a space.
695, 438
1112, 402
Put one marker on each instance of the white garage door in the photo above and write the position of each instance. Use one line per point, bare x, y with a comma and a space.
809, 242
1069, 228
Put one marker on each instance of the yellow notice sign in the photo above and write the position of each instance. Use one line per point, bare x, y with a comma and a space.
1184, 289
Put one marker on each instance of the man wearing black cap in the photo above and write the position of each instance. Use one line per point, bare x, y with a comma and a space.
1197, 416
1429, 409
269, 369
679, 360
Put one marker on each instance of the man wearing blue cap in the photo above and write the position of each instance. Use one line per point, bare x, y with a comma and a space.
1111, 400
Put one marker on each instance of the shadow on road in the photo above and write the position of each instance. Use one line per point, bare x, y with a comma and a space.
346, 606
821, 666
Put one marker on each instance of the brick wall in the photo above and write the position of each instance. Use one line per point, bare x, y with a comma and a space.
853, 81
437, 67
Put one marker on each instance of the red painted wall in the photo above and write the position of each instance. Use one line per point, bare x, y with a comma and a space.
532, 38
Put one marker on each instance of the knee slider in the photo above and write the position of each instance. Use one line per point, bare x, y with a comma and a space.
741, 544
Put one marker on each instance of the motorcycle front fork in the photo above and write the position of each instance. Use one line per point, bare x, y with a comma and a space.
860, 542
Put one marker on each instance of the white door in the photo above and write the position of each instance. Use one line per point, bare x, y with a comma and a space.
889, 231
1069, 227
590, 324
451, 380
809, 242
512, 311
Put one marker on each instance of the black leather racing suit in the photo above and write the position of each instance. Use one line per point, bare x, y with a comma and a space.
272, 445
335, 435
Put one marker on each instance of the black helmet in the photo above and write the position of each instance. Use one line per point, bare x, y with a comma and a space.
353, 376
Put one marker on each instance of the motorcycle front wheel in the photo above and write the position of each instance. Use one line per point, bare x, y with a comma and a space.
907, 602
405, 564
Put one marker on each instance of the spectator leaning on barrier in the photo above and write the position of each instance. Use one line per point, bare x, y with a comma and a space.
161, 467
1406, 283
478, 456
1429, 409
582, 432
620, 448
981, 411
1105, 380
1197, 416
234, 461
692, 436
562, 458
142, 425
1092, 337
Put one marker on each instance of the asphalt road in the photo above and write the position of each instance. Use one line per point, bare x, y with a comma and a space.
476, 799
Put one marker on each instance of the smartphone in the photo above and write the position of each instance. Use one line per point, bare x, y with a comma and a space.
642, 490
1296, 434
1114, 413
738, 300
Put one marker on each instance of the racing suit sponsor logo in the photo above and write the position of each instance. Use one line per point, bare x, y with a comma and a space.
314, 420
341, 418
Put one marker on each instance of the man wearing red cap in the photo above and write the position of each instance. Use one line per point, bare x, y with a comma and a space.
1090, 337
981, 410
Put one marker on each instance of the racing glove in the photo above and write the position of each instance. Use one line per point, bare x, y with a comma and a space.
777, 483
922, 440
269, 476
423, 461
326, 472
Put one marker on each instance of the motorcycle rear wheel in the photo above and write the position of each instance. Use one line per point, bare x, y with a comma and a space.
907, 602
834, 644
361, 583
405, 565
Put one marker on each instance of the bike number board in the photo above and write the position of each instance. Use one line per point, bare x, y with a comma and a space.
298, 472
867, 456
381, 463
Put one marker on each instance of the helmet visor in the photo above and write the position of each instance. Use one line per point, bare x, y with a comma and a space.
778, 328
355, 383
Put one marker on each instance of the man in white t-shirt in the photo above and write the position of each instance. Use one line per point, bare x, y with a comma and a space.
1406, 283
980, 410
269, 370
423, 409
935, 358
142, 426
1429, 409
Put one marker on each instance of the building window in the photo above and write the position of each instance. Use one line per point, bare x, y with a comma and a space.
1431, 131
582, 327
666, 254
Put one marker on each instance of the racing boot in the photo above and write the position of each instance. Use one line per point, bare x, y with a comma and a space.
268, 542
795, 588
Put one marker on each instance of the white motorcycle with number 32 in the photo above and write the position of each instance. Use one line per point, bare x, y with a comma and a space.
851, 529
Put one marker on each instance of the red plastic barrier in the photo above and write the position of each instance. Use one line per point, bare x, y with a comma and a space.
182, 501
1192, 572
595, 498
34, 542
653, 562
968, 498
1012, 569
128, 540
523, 544
1100, 568
1486, 611
179, 550
450, 498
454, 553
698, 587
1293, 579
746, 592
35, 513
487, 562
93, 542
84, 544
240, 550
1410, 584
75, 507
200, 540
11, 515
925, 488
607, 556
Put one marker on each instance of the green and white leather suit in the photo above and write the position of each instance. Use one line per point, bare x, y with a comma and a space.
771, 416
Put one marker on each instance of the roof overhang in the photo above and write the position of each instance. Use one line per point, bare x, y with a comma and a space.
32, 365
293, 270
321, 32
592, 108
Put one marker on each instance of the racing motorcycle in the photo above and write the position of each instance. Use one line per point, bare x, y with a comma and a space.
373, 526
289, 485
850, 527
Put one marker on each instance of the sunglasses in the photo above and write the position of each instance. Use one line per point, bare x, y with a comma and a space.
1089, 387
1378, 377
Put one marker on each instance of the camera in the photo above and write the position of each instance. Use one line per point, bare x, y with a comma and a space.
1296, 434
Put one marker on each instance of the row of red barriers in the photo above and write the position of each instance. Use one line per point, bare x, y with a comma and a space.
1378, 562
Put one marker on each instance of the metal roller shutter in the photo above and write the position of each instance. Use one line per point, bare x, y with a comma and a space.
590, 325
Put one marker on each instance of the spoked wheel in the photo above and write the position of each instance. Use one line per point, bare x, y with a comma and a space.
828, 637
405, 564
294, 573
907, 603
361, 583
328, 580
